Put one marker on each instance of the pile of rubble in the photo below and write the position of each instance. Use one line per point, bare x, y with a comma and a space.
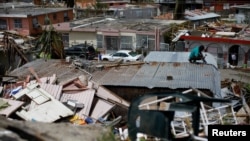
78, 101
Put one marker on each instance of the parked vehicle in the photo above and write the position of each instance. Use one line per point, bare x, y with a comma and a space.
82, 51
126, 55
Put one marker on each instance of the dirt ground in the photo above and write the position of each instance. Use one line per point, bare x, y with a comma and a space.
242, 75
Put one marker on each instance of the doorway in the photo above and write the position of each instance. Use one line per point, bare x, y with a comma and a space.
112, 43
233, 55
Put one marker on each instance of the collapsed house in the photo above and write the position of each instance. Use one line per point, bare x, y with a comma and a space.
51, 97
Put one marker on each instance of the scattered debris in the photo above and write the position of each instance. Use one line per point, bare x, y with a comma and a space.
81, 101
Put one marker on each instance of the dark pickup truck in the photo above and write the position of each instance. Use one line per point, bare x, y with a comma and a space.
82, 50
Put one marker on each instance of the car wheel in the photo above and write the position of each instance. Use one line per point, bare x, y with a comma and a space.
105, 59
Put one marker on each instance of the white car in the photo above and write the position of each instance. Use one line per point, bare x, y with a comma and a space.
126, 55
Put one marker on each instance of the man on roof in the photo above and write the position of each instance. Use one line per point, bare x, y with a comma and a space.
196, 54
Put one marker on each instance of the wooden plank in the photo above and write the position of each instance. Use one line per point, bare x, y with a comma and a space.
32, 71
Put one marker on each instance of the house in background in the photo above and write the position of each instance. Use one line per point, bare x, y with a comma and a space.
86, 3
118, 10
108, 34
27, 19
242, 13
169, 5
199, 17
222, 5
223, 44
128, 11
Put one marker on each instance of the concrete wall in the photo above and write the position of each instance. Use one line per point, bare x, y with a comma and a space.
221, 51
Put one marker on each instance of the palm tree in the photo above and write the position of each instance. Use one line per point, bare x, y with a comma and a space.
50, 44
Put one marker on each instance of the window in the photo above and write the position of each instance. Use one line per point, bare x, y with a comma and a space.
138, 13
123, 55
116, 55
145, 41
3, 24
35, 23
112, 42
65, 38
46, 20
126, 42
18, 23
141, 41
54, 16
65, 16
99, 39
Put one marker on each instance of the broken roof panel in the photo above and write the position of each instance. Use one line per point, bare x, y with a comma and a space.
162, 75
101, 108
181, 57
64, 71
104, 93
47, 111
84, 97
54, 90
194, 15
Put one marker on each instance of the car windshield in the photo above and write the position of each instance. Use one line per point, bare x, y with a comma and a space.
133, 53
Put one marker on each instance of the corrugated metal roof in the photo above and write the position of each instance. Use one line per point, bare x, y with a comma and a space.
163, 56
151, 75
85, 97
162, 75
33, 11
123, 24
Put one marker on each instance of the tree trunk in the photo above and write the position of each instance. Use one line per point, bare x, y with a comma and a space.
179, 10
